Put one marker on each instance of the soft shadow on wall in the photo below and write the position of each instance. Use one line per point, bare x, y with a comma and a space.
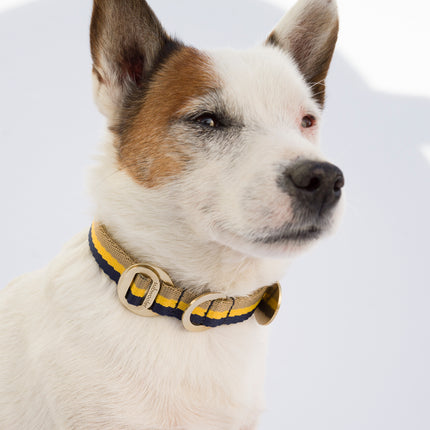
349, 344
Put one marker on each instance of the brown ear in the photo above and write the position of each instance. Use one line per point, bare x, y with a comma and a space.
308, 32
127, 43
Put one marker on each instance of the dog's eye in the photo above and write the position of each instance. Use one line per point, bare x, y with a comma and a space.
308, 121
208, 120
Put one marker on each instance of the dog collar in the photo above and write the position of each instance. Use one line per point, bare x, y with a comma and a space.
148, 291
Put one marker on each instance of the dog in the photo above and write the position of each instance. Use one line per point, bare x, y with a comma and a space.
210, 180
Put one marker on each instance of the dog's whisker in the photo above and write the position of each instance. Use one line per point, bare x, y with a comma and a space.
319, 83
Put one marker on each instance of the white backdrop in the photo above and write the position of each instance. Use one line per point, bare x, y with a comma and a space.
350, 349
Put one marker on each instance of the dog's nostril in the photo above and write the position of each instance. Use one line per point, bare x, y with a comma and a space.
339, 184
308, 176
314, 184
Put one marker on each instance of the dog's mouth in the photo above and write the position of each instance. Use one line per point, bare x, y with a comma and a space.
290, 235
273, 242
288, 238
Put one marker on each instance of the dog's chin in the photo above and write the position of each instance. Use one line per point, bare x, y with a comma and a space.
272, 244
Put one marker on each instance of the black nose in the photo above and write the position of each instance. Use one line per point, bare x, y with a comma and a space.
315, 185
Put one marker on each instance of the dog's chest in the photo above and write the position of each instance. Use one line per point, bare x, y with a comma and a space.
170, 382
175, 378
195, 387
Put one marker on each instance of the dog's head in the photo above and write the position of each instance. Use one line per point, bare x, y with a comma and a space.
230, 137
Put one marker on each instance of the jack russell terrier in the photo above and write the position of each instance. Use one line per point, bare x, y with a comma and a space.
211, 178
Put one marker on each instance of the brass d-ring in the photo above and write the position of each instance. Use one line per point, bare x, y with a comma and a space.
186, 316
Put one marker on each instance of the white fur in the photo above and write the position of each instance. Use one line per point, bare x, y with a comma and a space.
74, 358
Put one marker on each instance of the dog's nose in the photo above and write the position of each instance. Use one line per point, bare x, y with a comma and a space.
316, 185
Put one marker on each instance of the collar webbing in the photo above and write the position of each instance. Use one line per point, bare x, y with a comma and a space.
170, 300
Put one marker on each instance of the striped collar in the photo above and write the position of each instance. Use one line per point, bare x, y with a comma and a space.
148, 291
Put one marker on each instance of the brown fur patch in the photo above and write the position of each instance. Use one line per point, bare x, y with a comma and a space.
146, 148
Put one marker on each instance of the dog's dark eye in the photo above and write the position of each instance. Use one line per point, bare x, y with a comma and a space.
308, 121
208, 120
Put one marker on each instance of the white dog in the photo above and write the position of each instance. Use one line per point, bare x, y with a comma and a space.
211, 178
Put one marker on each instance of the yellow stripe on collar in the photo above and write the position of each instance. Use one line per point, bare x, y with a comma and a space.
147, 290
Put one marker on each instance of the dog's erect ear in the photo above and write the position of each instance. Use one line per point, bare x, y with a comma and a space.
127, 43
308, 32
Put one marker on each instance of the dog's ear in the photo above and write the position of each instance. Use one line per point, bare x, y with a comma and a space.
308, 32
127, 43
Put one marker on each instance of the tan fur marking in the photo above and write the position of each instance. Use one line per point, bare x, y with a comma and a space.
148, 151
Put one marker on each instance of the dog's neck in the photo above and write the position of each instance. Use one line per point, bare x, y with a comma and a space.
146, 224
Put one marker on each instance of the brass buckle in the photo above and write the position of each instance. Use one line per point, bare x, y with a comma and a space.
186, 316
155, 274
